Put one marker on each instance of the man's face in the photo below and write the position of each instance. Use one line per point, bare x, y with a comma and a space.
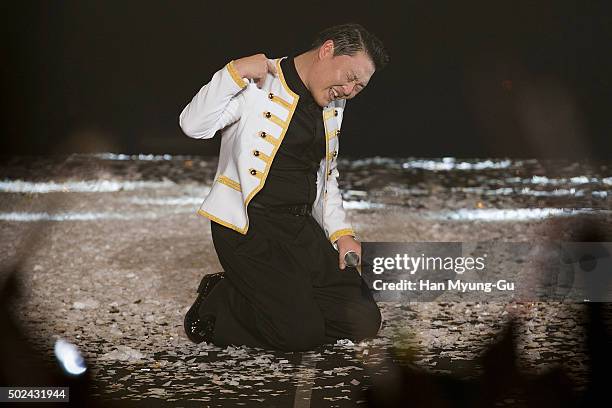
339, 77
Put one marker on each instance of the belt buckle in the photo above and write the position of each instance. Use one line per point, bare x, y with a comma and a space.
304, 211
295, 210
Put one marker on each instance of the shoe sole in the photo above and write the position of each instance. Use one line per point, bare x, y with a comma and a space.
192, 313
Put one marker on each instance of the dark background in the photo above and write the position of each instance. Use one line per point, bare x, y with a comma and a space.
466, 79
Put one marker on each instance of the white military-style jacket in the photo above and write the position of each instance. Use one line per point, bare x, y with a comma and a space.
253, 123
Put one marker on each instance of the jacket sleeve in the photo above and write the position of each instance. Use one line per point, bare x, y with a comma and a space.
216, 105
336, 221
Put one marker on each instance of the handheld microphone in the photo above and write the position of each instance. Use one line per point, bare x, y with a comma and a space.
351, 259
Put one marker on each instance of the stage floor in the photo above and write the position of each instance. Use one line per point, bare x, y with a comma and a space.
114, 251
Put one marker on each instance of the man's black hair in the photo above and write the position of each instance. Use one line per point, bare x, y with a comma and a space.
351, 38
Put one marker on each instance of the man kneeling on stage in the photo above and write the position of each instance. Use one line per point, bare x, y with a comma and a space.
277, 220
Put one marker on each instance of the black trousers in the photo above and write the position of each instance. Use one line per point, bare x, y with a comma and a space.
283, 288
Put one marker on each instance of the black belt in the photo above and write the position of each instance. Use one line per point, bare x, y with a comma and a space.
299, 210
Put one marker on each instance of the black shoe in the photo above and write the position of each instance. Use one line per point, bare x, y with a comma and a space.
201, 329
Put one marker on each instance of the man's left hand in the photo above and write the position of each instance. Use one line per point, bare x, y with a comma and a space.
347, 243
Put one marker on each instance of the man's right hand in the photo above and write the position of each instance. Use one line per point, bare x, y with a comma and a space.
255, 67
